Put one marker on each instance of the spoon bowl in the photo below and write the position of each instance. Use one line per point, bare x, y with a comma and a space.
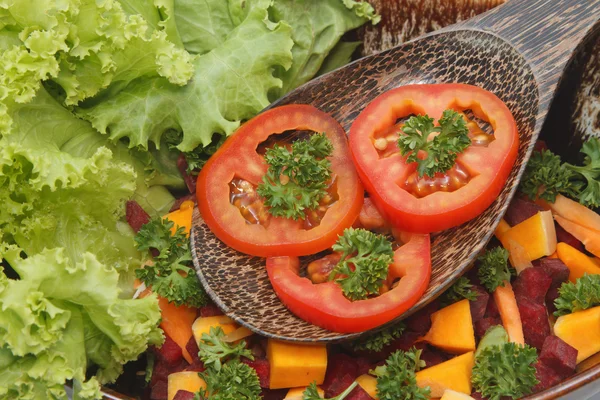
517, 52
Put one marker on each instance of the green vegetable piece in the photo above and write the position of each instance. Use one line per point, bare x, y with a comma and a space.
297, 179
578, 296
234, 381
397, 380
546, 176
311, 392
494, 336
377, 341
505, 370
364, 264
442, 150
462, 289
214, 351
494, 269
171, 275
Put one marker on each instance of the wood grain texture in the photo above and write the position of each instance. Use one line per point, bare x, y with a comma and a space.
517, 51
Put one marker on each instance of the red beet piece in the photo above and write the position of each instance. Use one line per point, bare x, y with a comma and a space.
334, 388
197, 365
406, 341
189, 180
484, 324
421, 320
210, 310
555, 268
273, 394
550, 297
492, 308
559, 356
519, 210
170, 351
342, 370
477, 396
135, 215
183, 395
192, 348
179, 201
535, 322
532, 284
479, 305
262, 368
358, 394
566, 237
160, 372
547, 377
159, 391
432, 357
363, 366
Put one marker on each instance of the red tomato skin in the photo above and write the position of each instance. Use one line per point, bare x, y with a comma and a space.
438, 211
326, 306
238, 156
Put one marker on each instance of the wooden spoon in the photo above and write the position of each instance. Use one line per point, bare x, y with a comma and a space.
517, 51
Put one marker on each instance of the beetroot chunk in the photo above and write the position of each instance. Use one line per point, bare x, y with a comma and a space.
432, 357
262, 368
358, 394
210, 310
479, 305
519, 210
492, 309
406, 341
536, 326
484, 324
556, 270
136, 216
159, 391
182, 166
566, 237
273, 394
192, 348
183, 395
547, 377
532, 284
559, 356
421, 320
170, 351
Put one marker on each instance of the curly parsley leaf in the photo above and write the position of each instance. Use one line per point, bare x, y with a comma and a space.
578, 296
234, 381
297, 178
171, 275
442, 150
312, 393
493, 268
505, 370
214, 352
197, 157
546, 176
462, 289
363, 268
397, 380
377, 341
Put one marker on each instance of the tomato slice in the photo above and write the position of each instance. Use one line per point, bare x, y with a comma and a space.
478, 177
238, 161
326, 306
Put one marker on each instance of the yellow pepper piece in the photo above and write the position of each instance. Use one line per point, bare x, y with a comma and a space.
581, 330
186, 380
502, 227
578, 263
203, 324
368, 383
294, 365
536, 235
454, 374
452, 328
297, 393
182, 217
452, 395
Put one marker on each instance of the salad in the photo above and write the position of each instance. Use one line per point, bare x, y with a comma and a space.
110, 109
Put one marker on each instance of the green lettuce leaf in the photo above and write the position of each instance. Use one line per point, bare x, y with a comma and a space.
231, 84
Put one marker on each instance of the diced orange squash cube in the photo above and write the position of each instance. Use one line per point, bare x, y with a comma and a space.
536, 235
452, 328
297, 393
575, 212
186, 380
294, 365
581, 330
452, 395
578, 263
368, 383
589, 363
203, 324
177, 323
502, 227
454, 374
182, 217
589, 237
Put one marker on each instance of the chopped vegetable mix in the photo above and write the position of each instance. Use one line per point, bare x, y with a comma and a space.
396, 378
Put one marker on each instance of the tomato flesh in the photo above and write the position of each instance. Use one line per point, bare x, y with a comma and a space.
425, 205
237, 168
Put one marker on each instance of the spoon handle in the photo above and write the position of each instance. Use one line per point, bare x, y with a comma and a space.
545, 32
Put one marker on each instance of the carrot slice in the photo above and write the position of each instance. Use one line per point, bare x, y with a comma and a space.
509, 312
578, 263
177, 323
589, 237
575, 212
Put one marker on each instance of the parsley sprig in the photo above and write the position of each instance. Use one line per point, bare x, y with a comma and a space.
197, 157
578, 296
494, 269
171, 275
377, 341
364, 265
312, 393
442, 150
546, 176
214, 351
462, 289
397, 380
297, 179
505, 370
